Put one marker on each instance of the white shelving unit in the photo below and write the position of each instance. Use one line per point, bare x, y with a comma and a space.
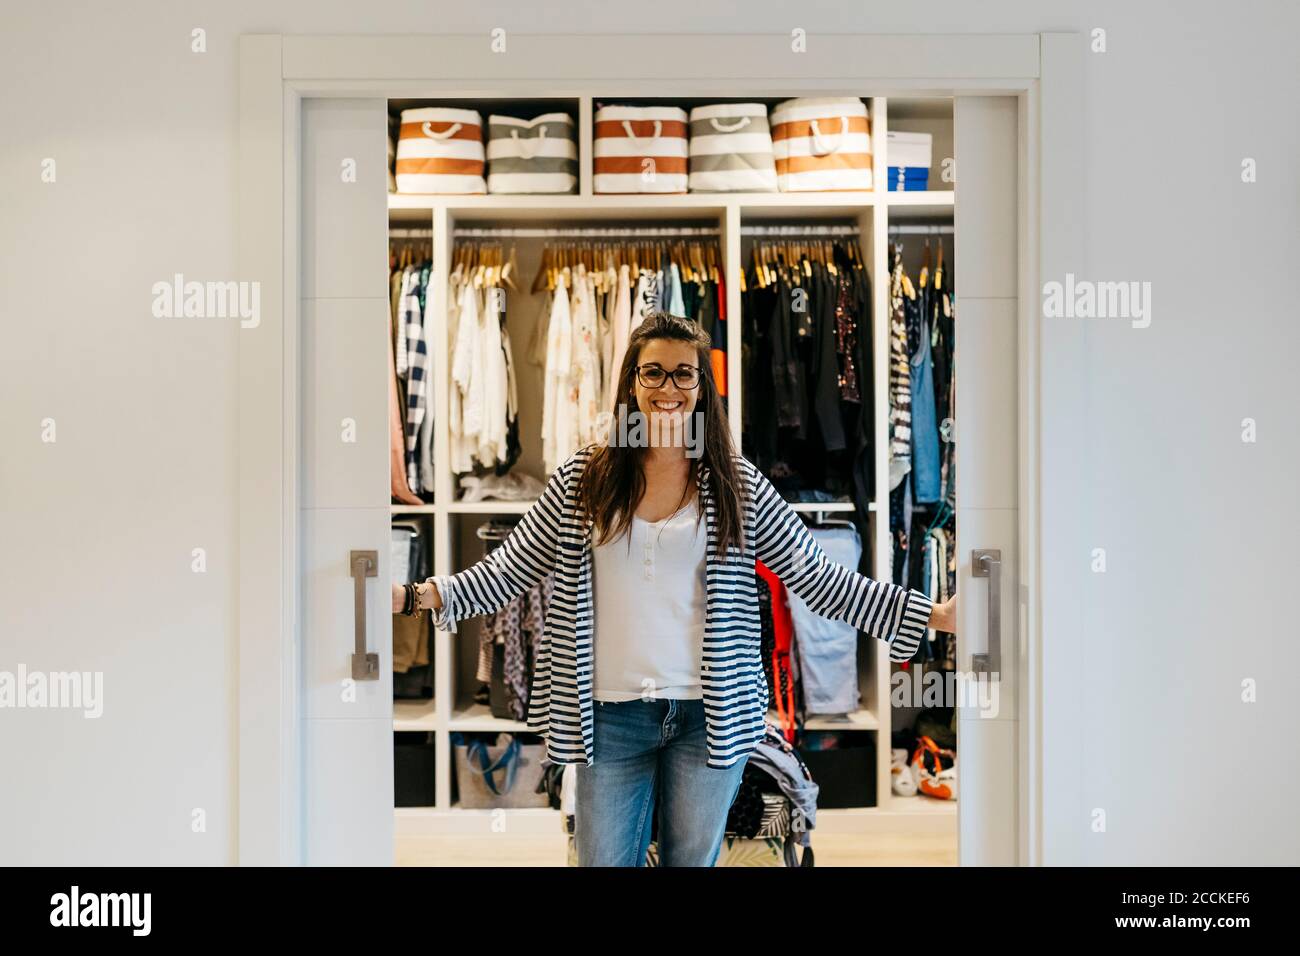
871, 212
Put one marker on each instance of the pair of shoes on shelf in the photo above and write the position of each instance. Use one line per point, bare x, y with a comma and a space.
932, 771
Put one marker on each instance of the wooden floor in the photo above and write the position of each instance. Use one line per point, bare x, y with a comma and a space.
517, 850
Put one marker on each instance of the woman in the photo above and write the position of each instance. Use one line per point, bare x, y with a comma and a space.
653, 539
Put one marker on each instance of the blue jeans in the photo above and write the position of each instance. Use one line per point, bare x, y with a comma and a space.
925, 428
651, 756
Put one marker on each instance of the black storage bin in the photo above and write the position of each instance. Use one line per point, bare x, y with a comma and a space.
413, 769
845, 774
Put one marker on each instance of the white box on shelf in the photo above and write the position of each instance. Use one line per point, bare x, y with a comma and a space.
908, 149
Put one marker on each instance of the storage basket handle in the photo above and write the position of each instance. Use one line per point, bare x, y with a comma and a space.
741, 123
819, 147
659, 131
448, 133
528, 152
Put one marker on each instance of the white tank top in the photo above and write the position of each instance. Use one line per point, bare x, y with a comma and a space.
650, 601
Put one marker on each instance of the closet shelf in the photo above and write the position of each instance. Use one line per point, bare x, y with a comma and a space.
546, 207
921, 206
489, 507
932, 197
478, 717
858, 720
414, 715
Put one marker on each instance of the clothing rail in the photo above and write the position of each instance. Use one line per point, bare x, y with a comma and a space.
410, 233
799, 230
907, 230
584, 233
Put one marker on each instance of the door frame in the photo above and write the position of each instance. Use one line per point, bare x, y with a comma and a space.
276, 72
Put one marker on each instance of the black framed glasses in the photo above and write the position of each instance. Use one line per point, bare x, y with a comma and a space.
684, 376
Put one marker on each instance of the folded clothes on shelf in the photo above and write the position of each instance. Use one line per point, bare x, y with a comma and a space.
512, 486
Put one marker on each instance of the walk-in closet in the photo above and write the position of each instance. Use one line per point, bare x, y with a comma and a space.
504, 204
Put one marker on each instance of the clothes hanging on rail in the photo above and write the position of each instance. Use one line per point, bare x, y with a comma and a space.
411, 365
925, 426
510, 638
399, 489
900, 373
781, 676
922, 381
807, 307
828, 649
942, 342
411, 561
597, 294
559, 400
418, 367
483, 403
517, 628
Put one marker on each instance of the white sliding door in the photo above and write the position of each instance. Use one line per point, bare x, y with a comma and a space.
986, 287
343, 470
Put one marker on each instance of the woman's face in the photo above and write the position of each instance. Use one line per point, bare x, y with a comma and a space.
668, 403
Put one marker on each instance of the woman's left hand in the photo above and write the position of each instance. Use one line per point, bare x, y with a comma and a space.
943, 616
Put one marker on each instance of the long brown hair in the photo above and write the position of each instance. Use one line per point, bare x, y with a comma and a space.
612, 484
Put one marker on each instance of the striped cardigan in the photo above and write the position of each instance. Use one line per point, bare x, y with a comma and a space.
553, 536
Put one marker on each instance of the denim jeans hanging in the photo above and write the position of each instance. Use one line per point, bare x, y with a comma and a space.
925, 428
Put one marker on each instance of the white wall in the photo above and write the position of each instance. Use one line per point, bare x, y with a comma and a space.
98, 527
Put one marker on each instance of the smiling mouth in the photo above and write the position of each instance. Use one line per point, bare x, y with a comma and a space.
666, 406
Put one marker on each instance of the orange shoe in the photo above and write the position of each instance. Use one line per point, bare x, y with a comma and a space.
935, 770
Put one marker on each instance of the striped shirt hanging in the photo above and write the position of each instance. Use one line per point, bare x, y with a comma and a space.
822, 143
731, 149
553, 536
539, 155
440, 150
640, 149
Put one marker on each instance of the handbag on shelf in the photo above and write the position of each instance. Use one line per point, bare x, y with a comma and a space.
822, 144
731, 149
440, 150
539, 155
640, 149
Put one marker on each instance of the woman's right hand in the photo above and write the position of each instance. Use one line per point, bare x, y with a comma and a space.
429, 597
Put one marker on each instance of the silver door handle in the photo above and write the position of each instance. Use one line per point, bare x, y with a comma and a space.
364, 564
987, 563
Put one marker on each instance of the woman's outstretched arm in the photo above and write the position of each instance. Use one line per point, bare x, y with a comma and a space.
893, 614
525, 557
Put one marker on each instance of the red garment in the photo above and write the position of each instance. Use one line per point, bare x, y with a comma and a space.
718, 357
398, 487
783, 634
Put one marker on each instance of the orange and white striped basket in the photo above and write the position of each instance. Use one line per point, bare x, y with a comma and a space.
640, 149
822, 144
440, 150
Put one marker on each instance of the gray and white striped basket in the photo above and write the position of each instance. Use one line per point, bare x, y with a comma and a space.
532, 156
731, 149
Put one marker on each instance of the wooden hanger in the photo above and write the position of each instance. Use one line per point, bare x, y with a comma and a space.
511, 266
